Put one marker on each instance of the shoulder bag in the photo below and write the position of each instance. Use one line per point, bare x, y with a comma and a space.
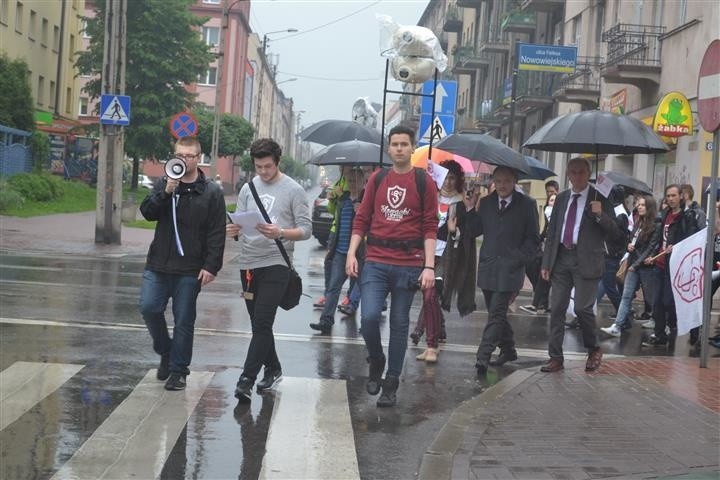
293, 292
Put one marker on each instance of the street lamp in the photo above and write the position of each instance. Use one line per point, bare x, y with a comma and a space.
265, 37
219, 77
285, 81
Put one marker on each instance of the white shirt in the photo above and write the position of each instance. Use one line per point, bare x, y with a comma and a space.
581, 201
507, 199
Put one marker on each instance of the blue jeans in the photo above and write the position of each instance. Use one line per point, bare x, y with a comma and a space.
608, 284
157, 289
332, 291
646, 277
376, 281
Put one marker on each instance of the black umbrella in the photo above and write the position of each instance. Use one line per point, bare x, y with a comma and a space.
627, 181
478, 146
328, 132
596, 131
538, 170
353, 152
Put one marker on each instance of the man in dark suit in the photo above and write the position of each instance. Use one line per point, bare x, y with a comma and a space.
507, 219
581, 222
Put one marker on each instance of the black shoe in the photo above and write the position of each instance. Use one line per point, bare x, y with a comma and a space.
504, 357
574, 323
269, 380
175, 382
654, 341
646, 316
415, 337
481, 370
243, 390
323, 327
388, 398
347, 310
163, 371
376, 369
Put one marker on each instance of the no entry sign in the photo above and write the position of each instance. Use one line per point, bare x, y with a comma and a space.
709, 88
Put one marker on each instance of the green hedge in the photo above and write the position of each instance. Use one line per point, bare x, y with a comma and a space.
42, 187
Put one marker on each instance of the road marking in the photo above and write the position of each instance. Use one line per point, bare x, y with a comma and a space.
310, 435
25, 384
138, 436
288, 337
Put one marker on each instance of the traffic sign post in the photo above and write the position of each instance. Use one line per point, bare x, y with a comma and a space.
115, 110
438, 122
183, 124
708, 96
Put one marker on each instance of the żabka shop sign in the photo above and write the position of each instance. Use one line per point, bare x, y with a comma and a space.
673, 117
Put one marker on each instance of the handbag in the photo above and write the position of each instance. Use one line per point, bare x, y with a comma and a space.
622, 271
293, 291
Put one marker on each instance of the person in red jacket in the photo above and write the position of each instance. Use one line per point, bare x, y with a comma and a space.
398, 215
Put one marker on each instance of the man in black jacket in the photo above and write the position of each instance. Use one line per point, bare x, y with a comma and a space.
507, 220
185, 255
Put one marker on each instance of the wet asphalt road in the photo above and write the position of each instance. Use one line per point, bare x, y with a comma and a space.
53, 306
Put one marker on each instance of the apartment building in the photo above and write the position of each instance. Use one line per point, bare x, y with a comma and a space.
630, 53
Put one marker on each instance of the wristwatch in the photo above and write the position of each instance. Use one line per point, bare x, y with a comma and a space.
282, 234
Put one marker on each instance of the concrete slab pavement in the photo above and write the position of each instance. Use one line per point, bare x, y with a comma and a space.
634, 418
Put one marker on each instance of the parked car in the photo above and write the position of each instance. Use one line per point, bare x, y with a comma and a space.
321, 218
144, 181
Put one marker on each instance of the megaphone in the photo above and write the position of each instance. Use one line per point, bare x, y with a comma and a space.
175, 168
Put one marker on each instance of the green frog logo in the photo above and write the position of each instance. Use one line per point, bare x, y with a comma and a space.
674, 115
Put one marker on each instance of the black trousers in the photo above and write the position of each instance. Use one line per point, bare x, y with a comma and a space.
267, 285
497, 330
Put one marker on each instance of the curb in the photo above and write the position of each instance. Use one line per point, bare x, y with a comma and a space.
437, 461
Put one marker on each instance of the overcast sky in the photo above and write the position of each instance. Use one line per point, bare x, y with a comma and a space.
346, 50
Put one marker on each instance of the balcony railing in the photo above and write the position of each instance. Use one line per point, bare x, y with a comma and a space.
586, 75
536, 84
469, 3
520, 22
453, 20
485, 115
630, 44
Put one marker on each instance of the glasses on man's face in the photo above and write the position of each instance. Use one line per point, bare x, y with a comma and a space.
187, 156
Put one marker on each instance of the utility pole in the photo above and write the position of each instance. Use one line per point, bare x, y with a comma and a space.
108, 218
219, 79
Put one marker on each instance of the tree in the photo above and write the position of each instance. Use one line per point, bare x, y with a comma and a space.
16, 103
236, 133
293, 168
165, 53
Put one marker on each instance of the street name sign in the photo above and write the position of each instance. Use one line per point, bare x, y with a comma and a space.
709, 88
547, 58
115, 110
441, 122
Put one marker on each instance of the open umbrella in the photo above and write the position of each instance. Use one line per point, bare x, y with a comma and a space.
596, 131
353, 152
328, 132
617, 178
478, 146
538, 170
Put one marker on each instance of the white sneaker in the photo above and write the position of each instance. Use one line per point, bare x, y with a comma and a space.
649, 324
613, 330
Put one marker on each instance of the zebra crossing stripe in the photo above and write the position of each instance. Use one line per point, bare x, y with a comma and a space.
311, 435
137, 438
25, 384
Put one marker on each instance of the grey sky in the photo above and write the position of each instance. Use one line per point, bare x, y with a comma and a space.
348, 49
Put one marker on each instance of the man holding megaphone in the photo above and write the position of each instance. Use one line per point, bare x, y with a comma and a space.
185, 255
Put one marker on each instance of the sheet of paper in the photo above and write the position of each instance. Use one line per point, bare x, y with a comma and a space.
437, 172
604, 185
248, 221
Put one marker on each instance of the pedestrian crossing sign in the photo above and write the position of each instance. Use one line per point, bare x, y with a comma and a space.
115, 110
440, 127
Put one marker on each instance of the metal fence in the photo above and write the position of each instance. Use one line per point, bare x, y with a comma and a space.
633, 44
15, 155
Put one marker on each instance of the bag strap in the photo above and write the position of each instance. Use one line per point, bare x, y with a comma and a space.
265, 215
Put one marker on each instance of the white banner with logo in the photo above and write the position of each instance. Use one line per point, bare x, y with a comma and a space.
687, 269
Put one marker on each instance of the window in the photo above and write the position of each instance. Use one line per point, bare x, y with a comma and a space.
44, 33
52, 94
682, 10
211, 36
576, 30
68, 100
83, 110
599, 22
84, 29
214, 2
56, 38
18, 17
4, 9
41, 90
71, 47
32, 27
210, 77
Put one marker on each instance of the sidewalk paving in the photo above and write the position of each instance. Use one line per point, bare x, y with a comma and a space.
651, 417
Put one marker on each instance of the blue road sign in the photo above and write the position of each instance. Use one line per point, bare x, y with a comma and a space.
115, 110
445, 97
437, 127
183, 124
547, 58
